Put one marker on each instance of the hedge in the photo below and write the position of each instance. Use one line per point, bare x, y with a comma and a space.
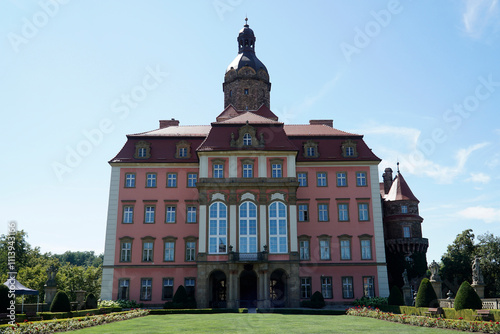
197, 311
300, 311
449, 313
74, 314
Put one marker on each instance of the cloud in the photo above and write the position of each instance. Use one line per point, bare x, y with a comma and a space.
479, 178
479, 15
488, 215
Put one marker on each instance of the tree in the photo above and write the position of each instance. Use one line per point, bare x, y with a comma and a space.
456, 262
467, 298
426, 296
488, 250
22, 250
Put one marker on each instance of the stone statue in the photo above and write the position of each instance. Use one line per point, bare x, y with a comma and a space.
405, 278
477, 276
51, 275
434, 268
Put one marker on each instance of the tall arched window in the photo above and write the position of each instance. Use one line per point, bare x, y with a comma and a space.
248, 228
218, 228
277, 228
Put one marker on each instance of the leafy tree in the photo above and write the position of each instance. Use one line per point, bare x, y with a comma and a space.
488, 249
426, 296
22, 249
467, 298
84, 259
456, 262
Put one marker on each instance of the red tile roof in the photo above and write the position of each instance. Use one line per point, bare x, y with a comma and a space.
176, 131
400, 191
314, 130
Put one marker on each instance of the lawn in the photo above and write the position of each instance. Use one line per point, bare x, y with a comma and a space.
255, 323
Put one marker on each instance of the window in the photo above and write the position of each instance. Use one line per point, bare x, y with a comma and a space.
192, 177
368, 286
341, 179
361, 179
343, 212
246, 91
218, 171
169, 250
323, 212
217, 228
406, 232
168, 288
128, 214
277, 228
171, 180
404, 209
349, 149
363, 211
150, 180
147, 251
129, 180
126, 251
347, 290
142, 150
247, 170
190, 251
248, 228
345, 249
303, 212
276, 170
149, 216
321, 179
302, 178
366, 249
170, 214
123, 288
326, 287
311, 149
304, 249
324, 249
189, 283
191, 214
146, 285
247, 139
305, 287
183, 152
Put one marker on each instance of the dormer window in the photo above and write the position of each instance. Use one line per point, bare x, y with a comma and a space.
349, 149
142, 150
311, 149
247, 139
183, 150
246, 91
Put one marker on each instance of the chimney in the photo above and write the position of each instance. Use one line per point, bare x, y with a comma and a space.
327, 122
167, 123
387, 176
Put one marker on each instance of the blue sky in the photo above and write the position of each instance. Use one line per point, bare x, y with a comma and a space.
421, 81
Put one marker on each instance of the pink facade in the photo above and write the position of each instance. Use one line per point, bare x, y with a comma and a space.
246, 211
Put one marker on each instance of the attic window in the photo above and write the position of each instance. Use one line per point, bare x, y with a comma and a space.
183, 150
311, 149
349, 149
246, 91
247, 139
142, 150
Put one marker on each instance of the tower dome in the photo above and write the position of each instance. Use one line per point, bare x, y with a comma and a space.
246, 82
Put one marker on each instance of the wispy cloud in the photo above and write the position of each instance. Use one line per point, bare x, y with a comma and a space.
488, 215
479, 15
479, 178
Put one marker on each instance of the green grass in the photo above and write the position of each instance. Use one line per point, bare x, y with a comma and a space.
255, 323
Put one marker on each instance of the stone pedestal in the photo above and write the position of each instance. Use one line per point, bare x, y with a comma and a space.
479, 289
80, 299
50, 293
407, 296
437, 286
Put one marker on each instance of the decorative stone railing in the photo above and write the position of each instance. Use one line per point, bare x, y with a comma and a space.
248, 257
488, 303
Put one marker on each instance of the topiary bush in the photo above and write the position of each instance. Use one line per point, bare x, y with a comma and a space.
426, 296
90, 302
467, 298
181, 300
317, 300
396, 297
180, 295
60, 303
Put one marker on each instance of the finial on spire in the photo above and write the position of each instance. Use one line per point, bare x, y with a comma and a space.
398, 167
246, 21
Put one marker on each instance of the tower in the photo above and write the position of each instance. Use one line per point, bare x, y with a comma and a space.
246, 82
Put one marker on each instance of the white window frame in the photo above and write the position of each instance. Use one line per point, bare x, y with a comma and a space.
190, 251
347, 287
323, 212
345, 249
343, 212
191, 214
126, 251
303, 212
304, 250
247, 171
128, 214
192, 179
169, 251
361, 179
147, 251
341, 179
366, 249
305, 287
247, 139
170, 214
129, 180
321, 179
171, 180
217, 228
150, 180
218, 171
278, 229
248, 227
326, 287
324, 249
363, 212
302, 179
146, 288
276, 170
149, 214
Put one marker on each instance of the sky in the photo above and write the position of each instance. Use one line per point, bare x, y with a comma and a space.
419, 79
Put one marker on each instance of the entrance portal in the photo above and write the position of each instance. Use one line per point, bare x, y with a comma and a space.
218, 289
248, 288
278, 288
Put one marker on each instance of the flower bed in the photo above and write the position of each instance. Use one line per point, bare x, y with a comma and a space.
463, 325
62, 325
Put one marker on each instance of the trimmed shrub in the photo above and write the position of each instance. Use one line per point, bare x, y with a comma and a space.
60, 303
181, 300
180, 295
4, 298
372, 302
426, 296
467, 298
396, 297
90, 302
317, 300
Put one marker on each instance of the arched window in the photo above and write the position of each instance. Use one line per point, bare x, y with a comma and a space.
278, 241
247, 139
218, 228
248, 228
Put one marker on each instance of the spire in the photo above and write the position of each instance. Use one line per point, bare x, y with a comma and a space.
246, 39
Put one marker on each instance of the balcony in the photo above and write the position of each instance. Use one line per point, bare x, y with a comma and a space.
248, 257
407, 245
